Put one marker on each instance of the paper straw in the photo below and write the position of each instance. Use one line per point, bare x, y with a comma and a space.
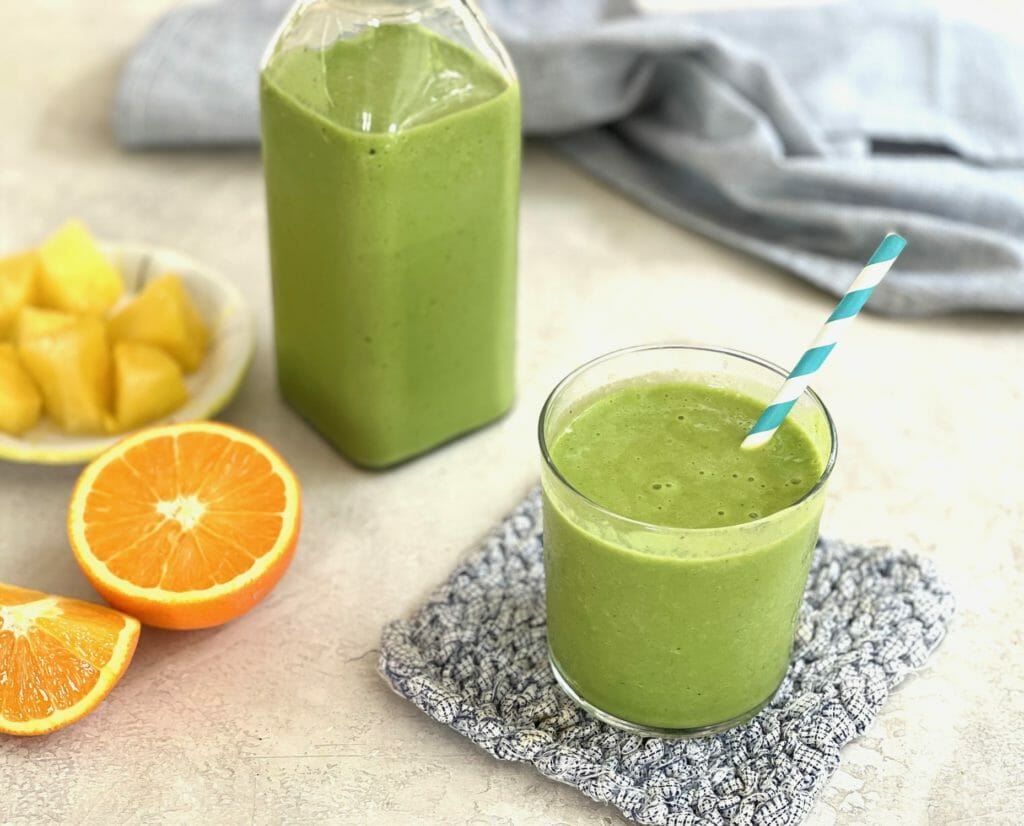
812, 359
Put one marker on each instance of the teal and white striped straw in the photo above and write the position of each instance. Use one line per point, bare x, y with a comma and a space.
812, 359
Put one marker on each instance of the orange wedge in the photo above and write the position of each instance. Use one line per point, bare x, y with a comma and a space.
58, 658
185, 526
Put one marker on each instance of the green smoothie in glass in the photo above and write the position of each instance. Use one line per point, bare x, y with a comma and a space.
675, 560
391, 157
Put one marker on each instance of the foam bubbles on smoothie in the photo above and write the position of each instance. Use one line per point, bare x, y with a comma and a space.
676, 463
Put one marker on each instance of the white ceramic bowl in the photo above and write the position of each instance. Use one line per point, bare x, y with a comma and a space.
210, 387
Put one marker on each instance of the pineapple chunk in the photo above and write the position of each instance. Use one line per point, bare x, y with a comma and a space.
74, 275
20, 402
32, 322
147, 384
17, 286
71, 367
163, 315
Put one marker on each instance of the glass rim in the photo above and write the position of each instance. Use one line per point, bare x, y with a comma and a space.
726, 351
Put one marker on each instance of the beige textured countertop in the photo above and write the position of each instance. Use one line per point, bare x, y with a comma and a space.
281, 717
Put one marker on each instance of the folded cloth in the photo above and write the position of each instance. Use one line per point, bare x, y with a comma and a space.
474, 657
798, 134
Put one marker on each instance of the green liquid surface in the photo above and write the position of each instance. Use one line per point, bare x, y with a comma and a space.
392, 171
669, 454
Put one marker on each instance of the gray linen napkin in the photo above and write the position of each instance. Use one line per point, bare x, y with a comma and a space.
799, 135
474, 657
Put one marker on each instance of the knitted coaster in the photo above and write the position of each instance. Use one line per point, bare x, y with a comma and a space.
475, 658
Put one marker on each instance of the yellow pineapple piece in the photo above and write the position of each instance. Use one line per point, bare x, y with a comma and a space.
32, 322
74, 275
148, 384
20, 402
71, 367
164, 316
17, 286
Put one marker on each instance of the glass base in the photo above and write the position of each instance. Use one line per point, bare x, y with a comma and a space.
652, 731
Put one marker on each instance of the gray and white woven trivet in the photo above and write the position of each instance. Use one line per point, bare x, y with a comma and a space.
475, 658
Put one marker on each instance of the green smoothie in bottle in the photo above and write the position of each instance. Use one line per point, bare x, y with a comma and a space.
391, 157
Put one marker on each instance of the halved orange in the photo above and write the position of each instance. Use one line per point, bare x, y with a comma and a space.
58, 658
185, 526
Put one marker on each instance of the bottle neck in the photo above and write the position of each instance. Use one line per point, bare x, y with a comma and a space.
385, 10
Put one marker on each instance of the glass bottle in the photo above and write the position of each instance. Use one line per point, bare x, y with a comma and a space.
391, 152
